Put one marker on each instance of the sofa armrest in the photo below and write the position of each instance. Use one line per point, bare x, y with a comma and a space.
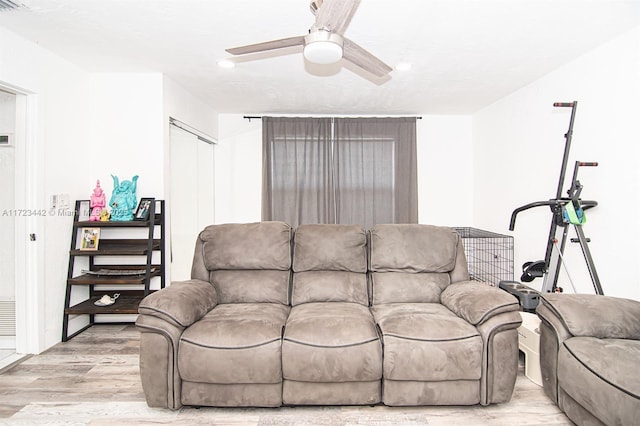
182, 303
495, 314
592, 315
164, 315
476, 303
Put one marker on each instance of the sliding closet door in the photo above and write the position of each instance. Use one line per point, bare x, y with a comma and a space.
191, 201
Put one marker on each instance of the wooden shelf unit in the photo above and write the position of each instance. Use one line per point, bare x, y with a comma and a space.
115, 277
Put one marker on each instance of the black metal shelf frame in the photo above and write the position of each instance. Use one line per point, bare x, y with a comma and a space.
145, 247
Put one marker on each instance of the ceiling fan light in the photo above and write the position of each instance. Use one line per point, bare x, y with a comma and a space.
323, 47
323, 52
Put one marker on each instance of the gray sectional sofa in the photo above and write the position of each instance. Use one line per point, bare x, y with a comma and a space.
589, 355
328, 315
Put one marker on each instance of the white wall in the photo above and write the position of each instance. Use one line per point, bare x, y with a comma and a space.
238, 166
518, 145
184, 106
7, 113
444, 170
126, 132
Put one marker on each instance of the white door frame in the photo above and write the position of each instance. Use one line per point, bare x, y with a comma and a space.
28, 254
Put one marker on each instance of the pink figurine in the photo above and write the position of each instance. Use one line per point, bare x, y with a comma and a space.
98, 201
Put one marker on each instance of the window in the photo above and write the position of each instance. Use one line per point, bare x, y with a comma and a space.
342, 170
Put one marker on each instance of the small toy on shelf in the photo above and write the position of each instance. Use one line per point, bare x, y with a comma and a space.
123, 199
97, 202
104, 215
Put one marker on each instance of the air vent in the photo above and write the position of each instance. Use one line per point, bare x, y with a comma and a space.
7, 5
7, 318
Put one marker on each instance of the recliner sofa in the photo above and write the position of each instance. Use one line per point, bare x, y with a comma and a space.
328, 315
589, 357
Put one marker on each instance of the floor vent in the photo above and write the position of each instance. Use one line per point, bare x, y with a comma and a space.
7, 318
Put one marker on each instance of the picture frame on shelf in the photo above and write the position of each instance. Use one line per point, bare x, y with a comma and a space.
89, 239
142, 211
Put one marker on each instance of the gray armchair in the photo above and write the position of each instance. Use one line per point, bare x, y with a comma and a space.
589, 357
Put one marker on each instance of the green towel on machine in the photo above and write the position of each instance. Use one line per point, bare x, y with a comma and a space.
571, 215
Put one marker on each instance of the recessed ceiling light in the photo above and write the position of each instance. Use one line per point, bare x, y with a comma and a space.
403, 66
226, 63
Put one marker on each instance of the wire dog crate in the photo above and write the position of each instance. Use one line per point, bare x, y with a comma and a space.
489, 255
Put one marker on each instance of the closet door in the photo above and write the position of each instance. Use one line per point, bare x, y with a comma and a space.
191, 202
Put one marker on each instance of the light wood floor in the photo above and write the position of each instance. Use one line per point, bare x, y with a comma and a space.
93, 380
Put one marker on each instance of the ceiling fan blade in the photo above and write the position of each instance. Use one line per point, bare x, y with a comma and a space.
365, 60
335, 15
267, 45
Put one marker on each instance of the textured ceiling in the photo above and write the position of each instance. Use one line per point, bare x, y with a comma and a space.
465, 54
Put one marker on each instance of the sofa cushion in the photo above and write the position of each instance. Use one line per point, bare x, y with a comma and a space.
427, 342
248, 262
411, 263
399, 287
330, 248
413, 248
600, 374
331, 342
264, 286
234, 343
237, 246
329, 264
329, 286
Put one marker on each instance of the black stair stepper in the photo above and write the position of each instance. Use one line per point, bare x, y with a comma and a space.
528, 297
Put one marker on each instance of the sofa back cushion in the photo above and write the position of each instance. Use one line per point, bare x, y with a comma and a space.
247, 262
330, 264
413, 263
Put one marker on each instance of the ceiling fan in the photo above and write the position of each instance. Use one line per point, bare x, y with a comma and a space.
325, 43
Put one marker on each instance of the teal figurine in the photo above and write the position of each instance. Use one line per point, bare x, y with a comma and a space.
123, 199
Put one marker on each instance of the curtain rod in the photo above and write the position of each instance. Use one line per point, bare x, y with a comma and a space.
259, 117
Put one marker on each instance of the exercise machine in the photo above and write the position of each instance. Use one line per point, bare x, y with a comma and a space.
566, 212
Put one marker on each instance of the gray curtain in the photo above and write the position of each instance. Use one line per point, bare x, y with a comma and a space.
375, 172
297, 171
343, 170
